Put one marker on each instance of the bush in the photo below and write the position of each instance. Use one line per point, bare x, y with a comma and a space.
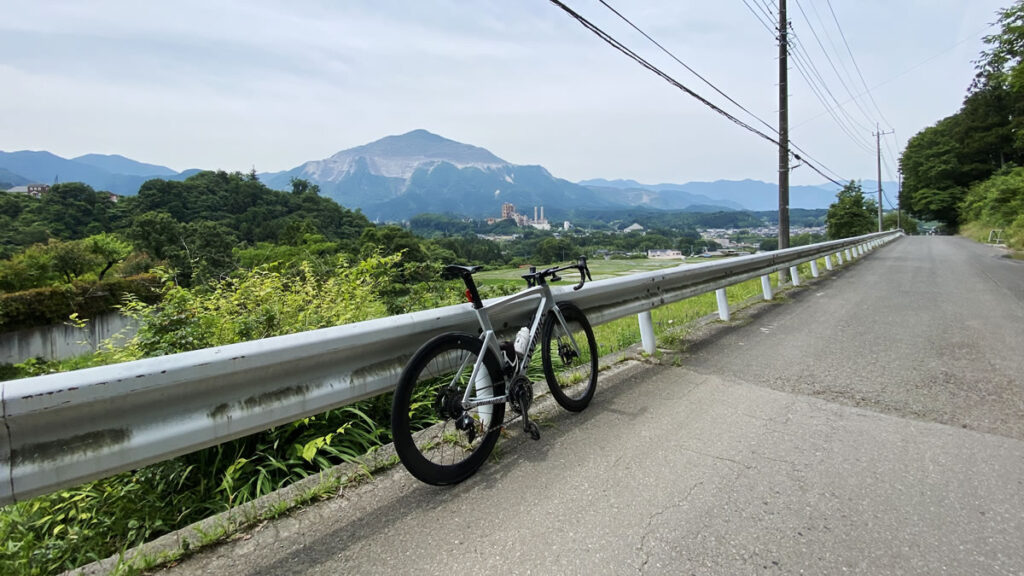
60, 531
54, 304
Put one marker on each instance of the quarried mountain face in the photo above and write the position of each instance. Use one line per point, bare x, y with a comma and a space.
400, 176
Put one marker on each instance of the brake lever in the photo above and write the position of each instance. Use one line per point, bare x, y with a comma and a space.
584, 272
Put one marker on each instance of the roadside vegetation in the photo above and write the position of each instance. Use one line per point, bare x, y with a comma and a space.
65, 529
967, 171
219, 258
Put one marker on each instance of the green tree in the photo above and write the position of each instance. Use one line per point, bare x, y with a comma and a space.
71, 259
554, 250
851, 214
933, 184
30, 268
908, 224
942, 162
109, 249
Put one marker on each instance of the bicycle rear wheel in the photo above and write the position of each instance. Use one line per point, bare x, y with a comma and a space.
437, 441
569, 356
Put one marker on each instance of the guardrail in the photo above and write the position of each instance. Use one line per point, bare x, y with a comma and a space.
63, 429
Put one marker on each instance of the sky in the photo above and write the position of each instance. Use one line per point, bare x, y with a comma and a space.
237, 85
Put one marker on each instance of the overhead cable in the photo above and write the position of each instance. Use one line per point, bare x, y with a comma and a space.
640, 60
710, 84
855, 66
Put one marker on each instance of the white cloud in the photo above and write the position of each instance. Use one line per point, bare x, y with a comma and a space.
272, 84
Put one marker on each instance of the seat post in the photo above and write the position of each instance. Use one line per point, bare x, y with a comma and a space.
471, 292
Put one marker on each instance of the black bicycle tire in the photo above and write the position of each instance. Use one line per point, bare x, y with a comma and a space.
571, 313
405, 444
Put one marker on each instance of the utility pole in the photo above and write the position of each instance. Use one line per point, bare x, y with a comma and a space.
783, 135
899, 201
878, 148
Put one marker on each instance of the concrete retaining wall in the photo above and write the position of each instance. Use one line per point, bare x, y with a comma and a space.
62, 341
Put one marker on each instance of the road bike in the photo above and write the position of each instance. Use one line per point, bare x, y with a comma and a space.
449, 406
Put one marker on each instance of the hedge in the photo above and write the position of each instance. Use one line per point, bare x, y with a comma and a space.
54, 304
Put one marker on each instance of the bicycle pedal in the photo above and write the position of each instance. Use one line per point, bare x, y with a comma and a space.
532, 429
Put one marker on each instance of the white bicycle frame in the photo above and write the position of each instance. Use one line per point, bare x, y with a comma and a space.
479, 378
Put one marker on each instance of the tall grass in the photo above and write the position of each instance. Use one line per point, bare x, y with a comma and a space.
65, 529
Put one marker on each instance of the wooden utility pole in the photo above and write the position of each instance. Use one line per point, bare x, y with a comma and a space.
878, 149
783, 134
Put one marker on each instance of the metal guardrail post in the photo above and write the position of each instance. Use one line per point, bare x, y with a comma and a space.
794, 272
814, 268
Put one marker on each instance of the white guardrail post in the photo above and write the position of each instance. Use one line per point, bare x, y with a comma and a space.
828, 262
814, 268
60, 430
766, 286
723, 304
647, 332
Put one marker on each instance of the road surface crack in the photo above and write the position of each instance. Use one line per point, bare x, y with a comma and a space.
650, 521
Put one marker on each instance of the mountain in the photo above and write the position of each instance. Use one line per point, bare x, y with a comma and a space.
117, 164
400, 176
115, 174
635, 194
743, 194
9, 179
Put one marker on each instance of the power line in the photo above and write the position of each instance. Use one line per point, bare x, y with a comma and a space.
820, 88
771, 30
640, 60
709, 83
764, 18
912, 68
839, 58
820, 93
855, 66
832, 64
805, 66
683, 64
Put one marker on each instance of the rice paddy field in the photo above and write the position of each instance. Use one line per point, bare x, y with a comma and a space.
599, 268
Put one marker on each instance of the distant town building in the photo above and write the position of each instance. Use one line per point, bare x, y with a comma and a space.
508, 212
34, 190
665, 254
634, 227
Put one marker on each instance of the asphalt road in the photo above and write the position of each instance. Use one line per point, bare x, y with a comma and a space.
872, 423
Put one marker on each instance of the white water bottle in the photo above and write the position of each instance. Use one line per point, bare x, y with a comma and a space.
522, 341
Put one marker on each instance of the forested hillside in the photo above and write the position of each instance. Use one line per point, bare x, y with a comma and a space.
966, 170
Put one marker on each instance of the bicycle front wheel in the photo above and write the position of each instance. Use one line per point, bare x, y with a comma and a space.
569, 356
437, 441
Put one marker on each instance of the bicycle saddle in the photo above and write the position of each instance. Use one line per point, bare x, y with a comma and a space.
455, 271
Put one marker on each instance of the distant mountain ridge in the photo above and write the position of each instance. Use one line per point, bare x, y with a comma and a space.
117, 164
753, 195
112, 173
399, 176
